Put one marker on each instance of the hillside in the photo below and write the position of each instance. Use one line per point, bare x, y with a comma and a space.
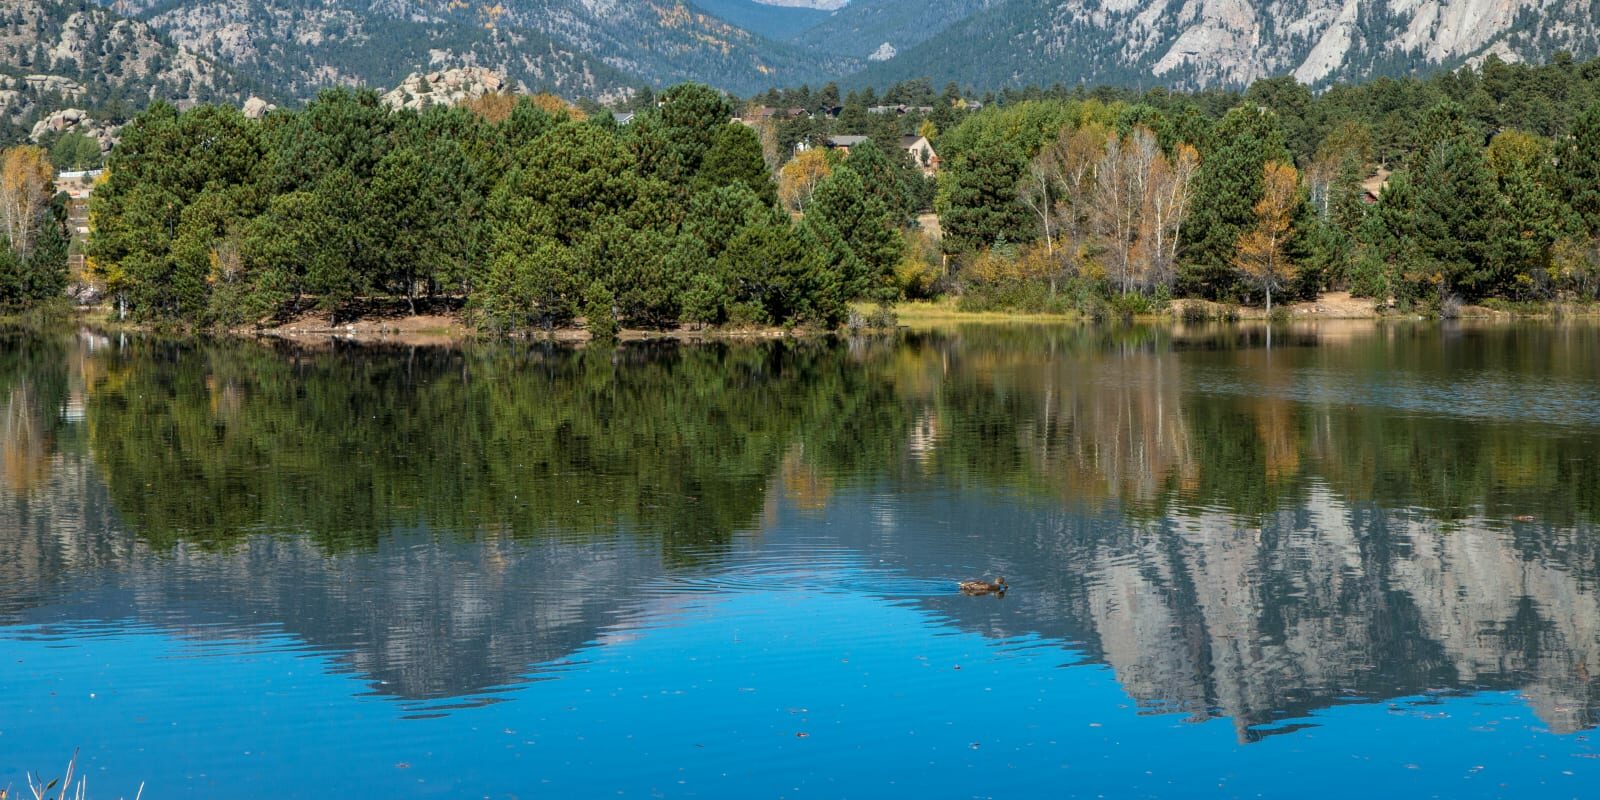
301, 46
1208, 43
862, 28
574, 47
55, 53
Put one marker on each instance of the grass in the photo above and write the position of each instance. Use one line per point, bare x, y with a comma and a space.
924, 313
62, 788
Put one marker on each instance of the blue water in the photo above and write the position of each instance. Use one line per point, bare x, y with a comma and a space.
1219, 588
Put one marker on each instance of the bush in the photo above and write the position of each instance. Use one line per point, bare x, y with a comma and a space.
921, 267
1449, 306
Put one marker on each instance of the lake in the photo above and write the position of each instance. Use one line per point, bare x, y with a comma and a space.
1355, 559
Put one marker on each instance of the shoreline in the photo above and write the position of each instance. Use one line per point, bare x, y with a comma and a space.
924, 314
916, 315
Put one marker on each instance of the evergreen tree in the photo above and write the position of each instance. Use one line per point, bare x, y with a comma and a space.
977, 200
1227, 189
178, 184
1533, 219
1580, 169
735, 157
882, 178
1458, 215
858, 235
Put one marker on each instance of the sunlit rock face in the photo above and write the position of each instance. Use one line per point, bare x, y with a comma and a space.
1198, 44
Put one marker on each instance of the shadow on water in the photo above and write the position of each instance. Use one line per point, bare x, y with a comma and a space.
1355, 513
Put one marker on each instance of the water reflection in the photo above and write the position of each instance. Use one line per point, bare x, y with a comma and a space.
1352, 515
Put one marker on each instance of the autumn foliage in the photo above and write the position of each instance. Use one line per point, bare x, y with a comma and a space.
1262, 258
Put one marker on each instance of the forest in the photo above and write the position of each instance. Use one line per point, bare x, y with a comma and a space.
529, 213
1478, 184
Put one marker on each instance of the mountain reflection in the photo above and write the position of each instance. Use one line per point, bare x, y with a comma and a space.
1349, 515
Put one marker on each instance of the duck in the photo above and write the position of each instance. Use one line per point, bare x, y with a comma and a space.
983, 587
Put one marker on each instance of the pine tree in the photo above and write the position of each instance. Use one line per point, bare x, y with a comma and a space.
977, 199
1458, 213
1533, 216
1227, 189
859, 235
735, 157
1580, 169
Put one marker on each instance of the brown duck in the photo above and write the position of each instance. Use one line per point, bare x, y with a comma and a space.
983, 587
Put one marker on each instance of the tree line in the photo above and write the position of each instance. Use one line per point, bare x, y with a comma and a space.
523, 209
1475, 184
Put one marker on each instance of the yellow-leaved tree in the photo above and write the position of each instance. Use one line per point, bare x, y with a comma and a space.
26, 180
799, 178
1261, 253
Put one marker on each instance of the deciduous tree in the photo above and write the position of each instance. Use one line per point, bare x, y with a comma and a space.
1262, 251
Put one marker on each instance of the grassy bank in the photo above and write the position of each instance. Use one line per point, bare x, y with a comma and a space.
946, 311
1330, 306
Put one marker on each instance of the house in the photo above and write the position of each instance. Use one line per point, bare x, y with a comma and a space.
844, 143
922, 153
756, 116
900, 110
78, 185
622, 117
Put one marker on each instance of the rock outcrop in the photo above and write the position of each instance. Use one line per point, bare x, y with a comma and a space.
76, 120
445, 87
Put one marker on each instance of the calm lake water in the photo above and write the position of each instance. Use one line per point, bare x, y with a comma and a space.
1361, 561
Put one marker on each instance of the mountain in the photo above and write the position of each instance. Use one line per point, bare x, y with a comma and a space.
60, 53
573, 47
777, 22
862, 28
301, 46
1209, 43
55, 53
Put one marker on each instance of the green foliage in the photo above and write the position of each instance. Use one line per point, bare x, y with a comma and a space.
735, 157
1458, 218
856, 234
178, 184
1226, 191
74, 151
1580, 170
977, 200
209, 218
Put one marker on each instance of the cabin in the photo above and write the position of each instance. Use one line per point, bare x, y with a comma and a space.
622, 117
900, 110
922, 154
844, 143
756, 116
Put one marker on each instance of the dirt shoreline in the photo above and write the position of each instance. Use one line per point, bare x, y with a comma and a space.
450, 328
1330, 306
